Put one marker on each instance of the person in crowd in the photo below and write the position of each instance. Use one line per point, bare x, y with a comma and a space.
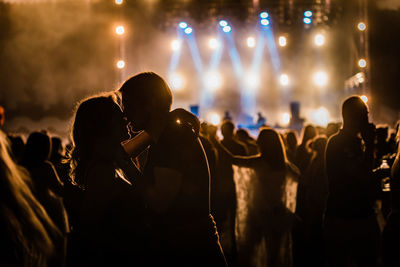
291, 145
303, 153
273, 220
58, 159
332, 128
382, 146
177, 178
315, 192
351, 229
225, 191
28, 235
110, 222
391, 233
46, 185
242, 135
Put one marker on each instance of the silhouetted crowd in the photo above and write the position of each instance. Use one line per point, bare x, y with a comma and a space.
141, 185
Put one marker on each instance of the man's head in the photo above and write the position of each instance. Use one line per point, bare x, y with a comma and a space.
355, 113
227, 129
143, 95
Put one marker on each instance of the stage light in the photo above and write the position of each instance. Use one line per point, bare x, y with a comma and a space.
213, 43
264, 22
212, 80
251, 42
282, 41
252, 81
227, 29
176, 82
120, 30
214, 118
362, 63
223, 23
182, 25
284, 119
120, 64
308, 14
284, 79
319, 40
320, 78
264, 15
188, 30
320, 116
307, 21
175, 45
119, 2
364, 98
361, 26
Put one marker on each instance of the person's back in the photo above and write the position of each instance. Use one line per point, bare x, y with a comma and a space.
351, 229
183, 232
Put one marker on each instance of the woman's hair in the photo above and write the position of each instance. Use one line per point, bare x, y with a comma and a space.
94, 134
29, 228
291, 140
272, 148
309, 133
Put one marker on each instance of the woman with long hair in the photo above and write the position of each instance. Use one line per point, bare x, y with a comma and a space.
28, 235
269, 216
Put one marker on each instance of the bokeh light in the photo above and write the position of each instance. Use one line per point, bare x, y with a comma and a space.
264, 15
252, 81
308, 14
307, 21
361, 26
320, 78
284, 79
188, 30
175, 45
227, 28
176, 82
213, 43
251, 42
119, 2
223, 23
364, 98
120, 64
319, 39
120, 30
320, 117
214, 118
264, 22
282, 41
182, 25
284, 119
362, 63
212, 80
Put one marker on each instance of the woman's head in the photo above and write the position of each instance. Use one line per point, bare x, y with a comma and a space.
98, 129
143, 95
271, 147
291, 140
309, 133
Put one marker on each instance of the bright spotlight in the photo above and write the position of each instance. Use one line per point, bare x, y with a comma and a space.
284, 119
188, 30
213, 43
362, 63
252, 81
264, 22
361, 26
212, 80
251, 42
120, 30
308, 14
223, 23
320, 78
264, 15
182, 25
227, 29
284, 79
319, 40
320, 116
120, 64
175, 45
214, 118
307, 21
282, 41
364, 98
119, 2
176, 82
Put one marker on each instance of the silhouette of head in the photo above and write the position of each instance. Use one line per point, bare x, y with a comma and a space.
355, 113
309, 133
382, 133
227, 129
319, 144
271, 147
37, 148
143, 95
291, 140
242, 135
332, 128
17, 147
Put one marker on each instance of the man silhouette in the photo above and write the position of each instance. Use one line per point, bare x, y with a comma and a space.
351, 229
